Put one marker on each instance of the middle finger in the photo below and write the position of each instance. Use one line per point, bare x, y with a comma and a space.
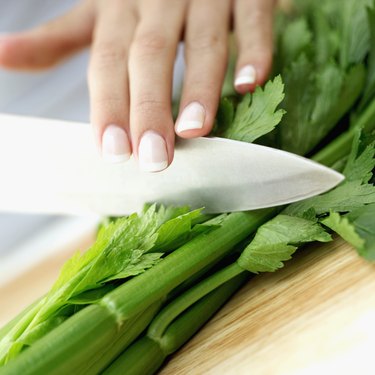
151, 63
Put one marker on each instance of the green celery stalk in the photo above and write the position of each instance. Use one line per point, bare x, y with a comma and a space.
97, 342
157, 282
160, 324
127, 333
146, 355
142, 357
69, 345
8, 327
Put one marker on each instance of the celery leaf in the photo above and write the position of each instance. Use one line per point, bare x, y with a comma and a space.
351, 17
342, 226
139, 264
315, 99
369, 92
176, 231
111, 254
357, 228
276, 241
363, 221
361, 161
346, 197
295, 39
257, 113
355, 192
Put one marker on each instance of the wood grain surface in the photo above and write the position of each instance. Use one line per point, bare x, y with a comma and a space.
315, 316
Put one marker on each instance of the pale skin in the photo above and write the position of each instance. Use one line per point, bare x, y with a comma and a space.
133, 48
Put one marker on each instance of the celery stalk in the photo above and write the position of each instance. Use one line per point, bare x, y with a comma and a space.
127, 333
69, 345
146, 355
160, 324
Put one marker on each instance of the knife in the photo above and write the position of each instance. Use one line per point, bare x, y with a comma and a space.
51, 166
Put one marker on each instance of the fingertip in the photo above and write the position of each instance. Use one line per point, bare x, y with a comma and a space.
243, 89
153, 152
188, 134
23, 51
115, 145
192, 121
250, 76
8, 47
245, 79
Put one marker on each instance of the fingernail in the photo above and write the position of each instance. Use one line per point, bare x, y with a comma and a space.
152, 152
115, 144
192, 117
246, 76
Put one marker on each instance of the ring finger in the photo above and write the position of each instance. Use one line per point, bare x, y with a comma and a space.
206, 59
253, 28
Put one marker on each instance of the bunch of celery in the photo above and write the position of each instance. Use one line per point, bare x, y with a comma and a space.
152, 280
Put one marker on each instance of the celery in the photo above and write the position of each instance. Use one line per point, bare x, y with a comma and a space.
94, 328
148, 353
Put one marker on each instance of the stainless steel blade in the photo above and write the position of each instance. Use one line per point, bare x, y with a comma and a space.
53, 167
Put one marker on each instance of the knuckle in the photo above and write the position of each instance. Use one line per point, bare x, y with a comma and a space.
250, 51
108, 101
204, 85
148, 106
109, 106
150, 43
256, 17
108, 54
206, 42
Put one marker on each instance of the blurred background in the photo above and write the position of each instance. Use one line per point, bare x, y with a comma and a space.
57, 93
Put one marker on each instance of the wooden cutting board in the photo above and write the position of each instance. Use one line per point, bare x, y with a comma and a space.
315, 316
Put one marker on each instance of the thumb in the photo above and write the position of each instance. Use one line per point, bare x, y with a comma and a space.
48, 44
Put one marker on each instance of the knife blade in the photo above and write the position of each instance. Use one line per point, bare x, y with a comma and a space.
52, 166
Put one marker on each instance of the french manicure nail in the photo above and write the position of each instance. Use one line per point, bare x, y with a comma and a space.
246, 76
152, 152
192, 117
115, 144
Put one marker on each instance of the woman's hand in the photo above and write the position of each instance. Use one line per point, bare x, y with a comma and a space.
133, 48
